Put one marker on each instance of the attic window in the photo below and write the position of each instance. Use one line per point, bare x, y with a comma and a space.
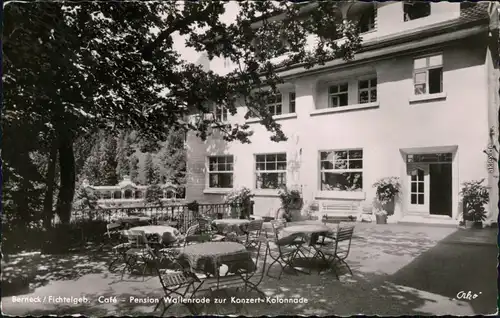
415, 10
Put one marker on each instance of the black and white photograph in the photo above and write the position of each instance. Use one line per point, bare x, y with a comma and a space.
250, 158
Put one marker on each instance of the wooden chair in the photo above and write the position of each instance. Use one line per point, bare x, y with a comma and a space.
287, 248
118, 247
336, 250
253, 233
175, 283
140, 251
247, 277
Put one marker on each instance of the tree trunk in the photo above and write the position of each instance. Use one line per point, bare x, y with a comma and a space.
48, 212
68, 178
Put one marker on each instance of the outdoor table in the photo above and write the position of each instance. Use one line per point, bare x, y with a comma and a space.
163, 234
202, 257
231, 225
313, 230
133, 220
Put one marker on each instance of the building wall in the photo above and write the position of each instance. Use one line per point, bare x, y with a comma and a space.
460, 118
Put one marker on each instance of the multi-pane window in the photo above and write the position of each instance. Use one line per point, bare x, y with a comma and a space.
367, 21
428, 74
270, 171
367, 90
417, 187
220, 113
416, 9
274, 104
220, 172
291, 102
338, 95
341, 170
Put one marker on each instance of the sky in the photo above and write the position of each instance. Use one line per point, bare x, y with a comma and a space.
190, 54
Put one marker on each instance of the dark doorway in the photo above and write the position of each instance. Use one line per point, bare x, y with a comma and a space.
440, 201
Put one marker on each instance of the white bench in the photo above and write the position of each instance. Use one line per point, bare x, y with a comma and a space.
340, 211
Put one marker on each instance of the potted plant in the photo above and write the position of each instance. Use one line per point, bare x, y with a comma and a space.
474, 197
312, 211
387, 190
241, 203
380, 216
291, 202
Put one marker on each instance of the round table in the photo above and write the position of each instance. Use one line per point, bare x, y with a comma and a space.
166, 234
231, 225
309, 229
128, 221
207, 256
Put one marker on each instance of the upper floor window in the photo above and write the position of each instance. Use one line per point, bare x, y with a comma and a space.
220, 172
338, 95
367, 91
291, 102
220, 113
341, 170
367, 21
416, 9
274, 104
270, 171
428, 75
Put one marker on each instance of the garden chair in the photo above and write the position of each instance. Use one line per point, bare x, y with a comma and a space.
175, 282
253, 232
246, 277
287, 248
139, 251
114, 239
205, 228
334, 250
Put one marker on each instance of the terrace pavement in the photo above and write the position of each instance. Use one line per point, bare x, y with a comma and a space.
398, 270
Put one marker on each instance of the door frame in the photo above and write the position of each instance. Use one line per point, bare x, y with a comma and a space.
405, 183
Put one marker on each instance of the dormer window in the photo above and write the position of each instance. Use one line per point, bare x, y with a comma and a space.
367, 20
416, 9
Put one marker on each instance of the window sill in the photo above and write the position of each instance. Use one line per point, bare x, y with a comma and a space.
275, 117
345, 108
217, 190
266, 192
427, 97
345, 195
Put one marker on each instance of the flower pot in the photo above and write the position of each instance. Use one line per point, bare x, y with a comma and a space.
381, 218
477, 225
389, 207
469, 224
295, 214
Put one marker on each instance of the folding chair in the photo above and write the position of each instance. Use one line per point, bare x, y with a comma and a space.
139, 251
253, 231
336, 250
118, 248
176, 283
287, 247
239, 276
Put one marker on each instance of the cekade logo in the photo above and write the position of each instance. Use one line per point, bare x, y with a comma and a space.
467, 295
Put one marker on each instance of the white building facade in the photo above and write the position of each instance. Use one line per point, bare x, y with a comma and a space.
418, 102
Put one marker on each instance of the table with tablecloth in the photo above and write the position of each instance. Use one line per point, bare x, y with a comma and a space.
225, 226
311, 230
163, 234
203, 257
130, 221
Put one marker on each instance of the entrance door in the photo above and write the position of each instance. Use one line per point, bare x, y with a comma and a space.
440, 189
419, 189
